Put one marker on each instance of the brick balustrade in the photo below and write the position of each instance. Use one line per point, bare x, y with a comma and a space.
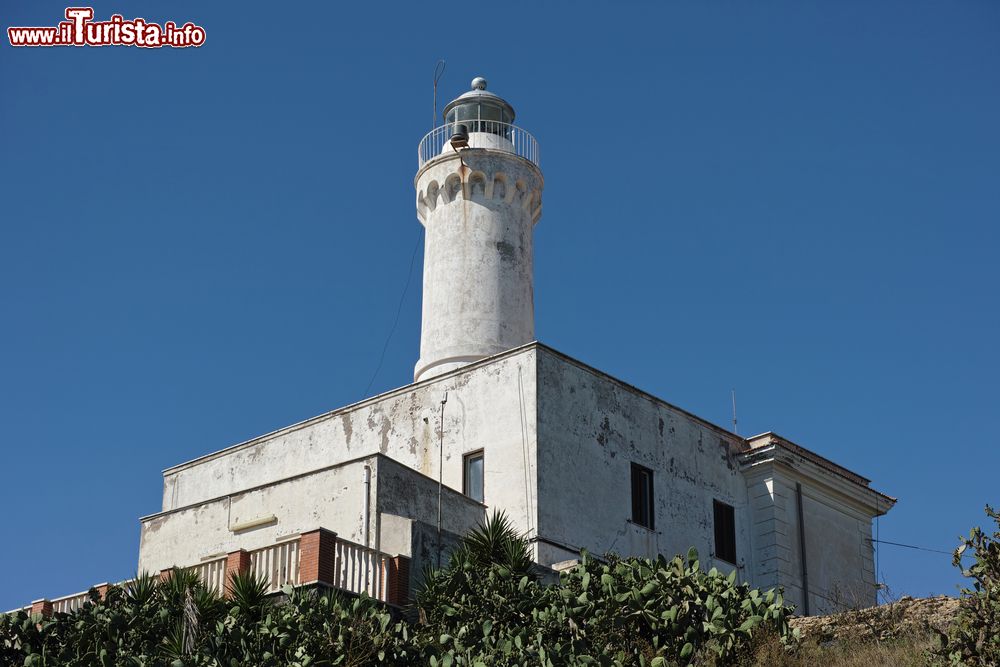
43, 607
317, 557
237, 562
396, 579
317, 564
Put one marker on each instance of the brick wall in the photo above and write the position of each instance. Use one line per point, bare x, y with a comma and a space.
397, 580
237, 562
317, 556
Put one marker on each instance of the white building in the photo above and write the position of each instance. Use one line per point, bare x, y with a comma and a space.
576, 458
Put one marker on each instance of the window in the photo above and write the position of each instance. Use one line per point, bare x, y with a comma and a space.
725, 532
642, 496
472, 476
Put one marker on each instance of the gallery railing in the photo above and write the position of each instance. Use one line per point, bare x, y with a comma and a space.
490, 134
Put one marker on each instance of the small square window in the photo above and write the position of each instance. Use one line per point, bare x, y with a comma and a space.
642, 496
725, 532
472, 476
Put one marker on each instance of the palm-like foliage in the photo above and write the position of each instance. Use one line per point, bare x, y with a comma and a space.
492, 547
180, 581
495, 542
485, 608
142, 589
250, 595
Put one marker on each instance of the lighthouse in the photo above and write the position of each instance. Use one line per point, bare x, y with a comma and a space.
359, 497
479, 195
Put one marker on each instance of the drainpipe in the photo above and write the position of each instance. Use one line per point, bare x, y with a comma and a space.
368, 510
802, 551
440, 477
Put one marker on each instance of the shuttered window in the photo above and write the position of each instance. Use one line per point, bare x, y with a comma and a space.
642, 496
725, 532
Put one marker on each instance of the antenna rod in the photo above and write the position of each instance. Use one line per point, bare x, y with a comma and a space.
734, 413
438, 73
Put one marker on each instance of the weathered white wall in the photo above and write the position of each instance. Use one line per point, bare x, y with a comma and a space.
837, 527
332, 498
771, 515
558, 439
838, 552
590, 429
404, 494
479, 212
490, 406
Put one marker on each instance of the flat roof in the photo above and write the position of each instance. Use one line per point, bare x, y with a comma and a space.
747, 444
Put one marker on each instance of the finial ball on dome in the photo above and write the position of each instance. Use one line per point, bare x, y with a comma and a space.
479, 83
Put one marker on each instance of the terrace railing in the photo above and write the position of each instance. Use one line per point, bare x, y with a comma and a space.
213, 574
278, 564
490, 134
70, 603
355, 568
360, 569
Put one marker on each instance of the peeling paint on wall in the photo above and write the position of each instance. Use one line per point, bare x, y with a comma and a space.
558, 440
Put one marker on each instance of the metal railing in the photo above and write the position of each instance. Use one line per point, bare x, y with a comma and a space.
278, 564
360, 569
212, 574
490, 134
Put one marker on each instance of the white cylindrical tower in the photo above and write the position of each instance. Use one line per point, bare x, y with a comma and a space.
479, 195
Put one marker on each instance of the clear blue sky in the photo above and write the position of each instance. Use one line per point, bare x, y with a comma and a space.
796, 199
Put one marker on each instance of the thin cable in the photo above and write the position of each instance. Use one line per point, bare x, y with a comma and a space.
399, 309
911, 546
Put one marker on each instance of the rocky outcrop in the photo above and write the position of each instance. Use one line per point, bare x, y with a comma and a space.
904, 616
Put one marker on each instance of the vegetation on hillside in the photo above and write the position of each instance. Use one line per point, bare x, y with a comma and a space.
486, 607
975, 637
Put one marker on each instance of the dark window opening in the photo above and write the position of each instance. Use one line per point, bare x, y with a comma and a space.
725, 532
480, 117
472, 476
642, 496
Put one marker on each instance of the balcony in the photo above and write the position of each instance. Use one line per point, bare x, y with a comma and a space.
317, 558
489, 134
271, 531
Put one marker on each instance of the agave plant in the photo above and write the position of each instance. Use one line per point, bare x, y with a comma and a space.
486, 607
142, 590
493, 549
249, 594
495, 542
180, 582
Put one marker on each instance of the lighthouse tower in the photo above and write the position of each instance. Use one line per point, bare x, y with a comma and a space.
479, 195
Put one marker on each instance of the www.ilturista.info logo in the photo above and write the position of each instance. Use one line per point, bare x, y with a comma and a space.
81, 30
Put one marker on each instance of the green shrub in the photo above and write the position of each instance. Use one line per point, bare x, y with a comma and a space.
487, 606
975, 638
